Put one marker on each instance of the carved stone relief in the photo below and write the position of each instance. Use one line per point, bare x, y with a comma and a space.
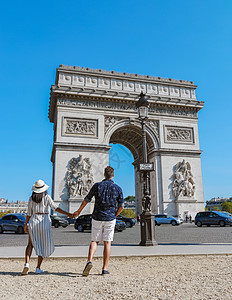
183, 184
127, 107
154, 126
79, 177
80, 127
179, 135
110, 121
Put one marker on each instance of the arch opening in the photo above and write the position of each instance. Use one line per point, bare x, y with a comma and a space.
127, 140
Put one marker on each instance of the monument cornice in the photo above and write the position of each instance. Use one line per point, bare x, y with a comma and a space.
122, 75
85, 83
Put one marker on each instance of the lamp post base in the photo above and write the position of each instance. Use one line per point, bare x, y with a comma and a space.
147, 226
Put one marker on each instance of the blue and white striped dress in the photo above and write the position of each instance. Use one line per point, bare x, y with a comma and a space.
40, 226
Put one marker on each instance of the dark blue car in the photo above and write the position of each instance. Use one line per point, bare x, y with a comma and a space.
212, 218
12, 222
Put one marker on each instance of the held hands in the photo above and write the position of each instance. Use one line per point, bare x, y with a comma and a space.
76, 214
70, 216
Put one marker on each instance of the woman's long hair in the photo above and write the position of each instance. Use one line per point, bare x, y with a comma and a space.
37, 197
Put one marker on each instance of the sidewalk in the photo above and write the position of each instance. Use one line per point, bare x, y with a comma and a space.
128, 250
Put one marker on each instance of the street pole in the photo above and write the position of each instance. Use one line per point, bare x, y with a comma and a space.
147, 218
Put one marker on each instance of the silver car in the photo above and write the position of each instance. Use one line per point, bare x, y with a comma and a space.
165, 219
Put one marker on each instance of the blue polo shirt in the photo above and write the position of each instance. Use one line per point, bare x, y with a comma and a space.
108, 197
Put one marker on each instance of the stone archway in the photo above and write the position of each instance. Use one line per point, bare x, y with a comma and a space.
92, 108
129, 135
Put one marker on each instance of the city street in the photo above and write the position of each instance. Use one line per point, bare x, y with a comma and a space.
165, 234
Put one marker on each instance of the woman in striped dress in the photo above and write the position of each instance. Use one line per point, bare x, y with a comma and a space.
39, 227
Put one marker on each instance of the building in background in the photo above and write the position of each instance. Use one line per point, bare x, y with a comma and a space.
13, 207
216, 203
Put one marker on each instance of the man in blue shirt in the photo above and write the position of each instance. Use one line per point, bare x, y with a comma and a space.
109, 203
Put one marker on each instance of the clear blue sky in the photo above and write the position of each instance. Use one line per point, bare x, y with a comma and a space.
182, 39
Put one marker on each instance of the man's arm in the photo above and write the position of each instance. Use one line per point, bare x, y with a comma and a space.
77, 213
119, 211
86, 200
120, 201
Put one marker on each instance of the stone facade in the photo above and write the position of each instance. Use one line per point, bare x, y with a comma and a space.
92, 108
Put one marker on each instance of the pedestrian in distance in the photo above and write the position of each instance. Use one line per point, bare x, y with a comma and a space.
109, 203
38, 225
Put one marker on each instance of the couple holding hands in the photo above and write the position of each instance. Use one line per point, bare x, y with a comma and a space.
109, 203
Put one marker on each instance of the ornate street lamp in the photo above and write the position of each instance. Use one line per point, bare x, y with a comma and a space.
147, 218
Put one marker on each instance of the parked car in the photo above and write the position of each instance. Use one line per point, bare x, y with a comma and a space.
120, 225
84, 222
12, 222
226, 213
130, 222
212, 218
70, 221
58, 221
165, 219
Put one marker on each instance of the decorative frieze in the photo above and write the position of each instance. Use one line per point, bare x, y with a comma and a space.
179, 135
126, 107
80, 127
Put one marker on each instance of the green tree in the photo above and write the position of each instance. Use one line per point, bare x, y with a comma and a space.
128, 212
227, 206
216, 208
2, 214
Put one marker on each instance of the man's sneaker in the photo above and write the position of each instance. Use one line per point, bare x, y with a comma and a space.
87, 269
104, 272
38, 271
25, 269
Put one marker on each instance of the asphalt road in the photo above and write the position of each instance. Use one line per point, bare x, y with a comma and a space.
165, 234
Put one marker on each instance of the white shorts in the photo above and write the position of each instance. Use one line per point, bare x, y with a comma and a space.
102, 230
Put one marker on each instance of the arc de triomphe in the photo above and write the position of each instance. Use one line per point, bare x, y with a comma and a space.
92, 108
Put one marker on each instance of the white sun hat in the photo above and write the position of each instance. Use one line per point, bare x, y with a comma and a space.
39, 186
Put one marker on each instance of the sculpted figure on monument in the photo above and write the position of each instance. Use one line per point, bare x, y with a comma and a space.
183, 184
79, 177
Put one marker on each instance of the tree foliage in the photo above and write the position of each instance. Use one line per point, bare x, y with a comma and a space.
128, 212
227, 206
216, 208
2, 214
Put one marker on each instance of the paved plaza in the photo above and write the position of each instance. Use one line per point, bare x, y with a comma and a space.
161, 278
188, 263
